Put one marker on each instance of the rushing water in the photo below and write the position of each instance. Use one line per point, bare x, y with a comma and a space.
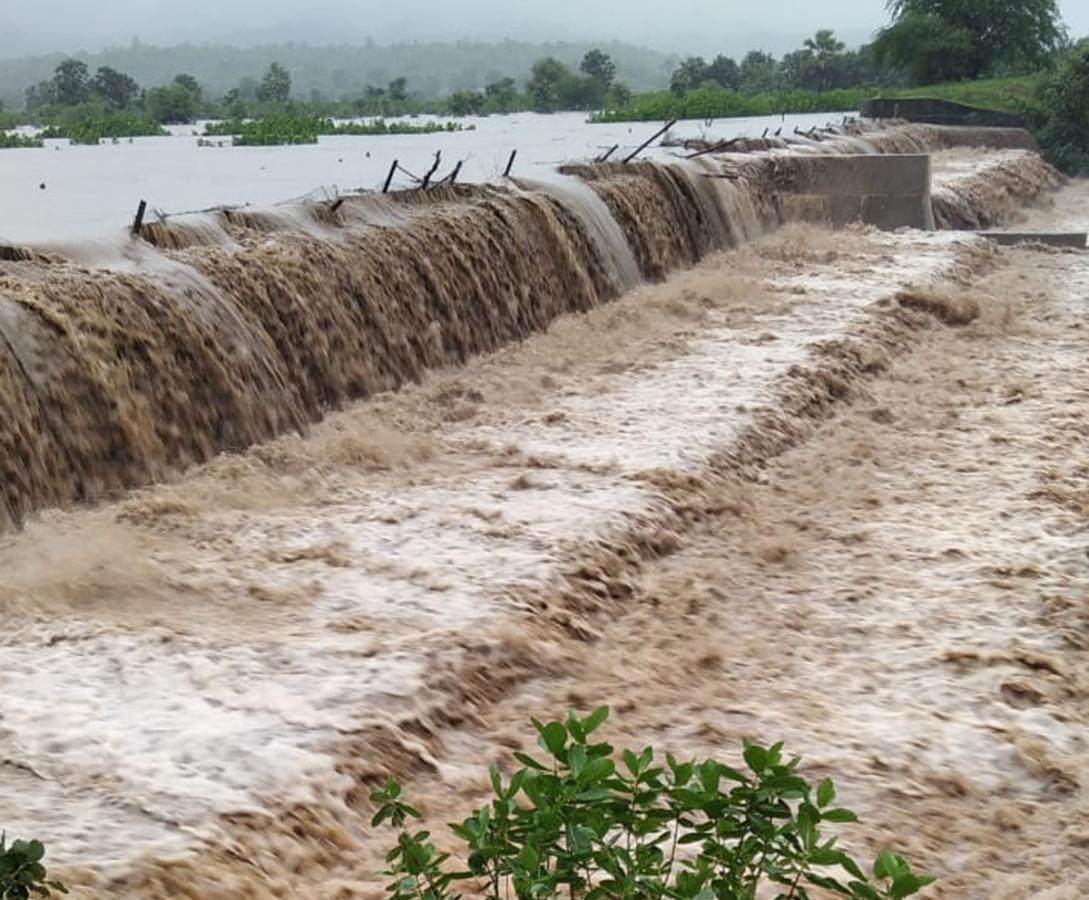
93, 191
220, 330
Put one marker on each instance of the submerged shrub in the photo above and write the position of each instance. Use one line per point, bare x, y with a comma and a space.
292, 128
585, 821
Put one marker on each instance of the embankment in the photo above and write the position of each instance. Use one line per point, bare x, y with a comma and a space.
216, 333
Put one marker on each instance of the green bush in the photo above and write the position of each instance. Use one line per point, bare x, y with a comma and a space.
22, 874
18, 141
587, 825
271, 130
1060, 114
90, 124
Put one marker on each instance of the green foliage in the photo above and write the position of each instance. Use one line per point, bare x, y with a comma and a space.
466, 103
116, 89
71, 83
18, 141
175, 103
273, 130
599, 66
275, 85
1006, 94
501, 95
926, 48
759, 72
546, 84
1060, 113
934, 40
89, 124
22, 874
713, 102
286, 127
585, 821
381, 126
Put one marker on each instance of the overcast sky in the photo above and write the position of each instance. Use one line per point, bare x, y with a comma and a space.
702, 26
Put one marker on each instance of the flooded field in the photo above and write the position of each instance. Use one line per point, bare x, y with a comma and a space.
291, 503
92, 192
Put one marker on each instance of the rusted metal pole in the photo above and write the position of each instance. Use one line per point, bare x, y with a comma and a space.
643, 146
510, 164
138, 221
389, 177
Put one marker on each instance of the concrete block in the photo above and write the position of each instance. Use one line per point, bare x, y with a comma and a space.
888, 175
888, 190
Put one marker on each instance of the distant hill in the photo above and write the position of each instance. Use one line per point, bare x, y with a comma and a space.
432, 69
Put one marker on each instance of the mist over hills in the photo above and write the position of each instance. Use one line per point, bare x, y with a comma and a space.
334, 71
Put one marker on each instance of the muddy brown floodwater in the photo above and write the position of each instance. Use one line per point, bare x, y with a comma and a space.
825, 488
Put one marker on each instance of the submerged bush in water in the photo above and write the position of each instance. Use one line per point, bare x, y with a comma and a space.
588, 822
89, 125
18, 141
22, 874
290, 128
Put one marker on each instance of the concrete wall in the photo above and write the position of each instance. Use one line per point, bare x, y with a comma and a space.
889, 191
931, 111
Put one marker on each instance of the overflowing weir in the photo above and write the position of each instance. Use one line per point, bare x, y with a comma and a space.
214, 332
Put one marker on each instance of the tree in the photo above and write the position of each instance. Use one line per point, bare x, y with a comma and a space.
501, 94
398, 90
725, 72
619, 95
39, 95
758, 72
189, 83
926, 49
545, 84
275, 85
817, 66
689, 75
234, 104
824, 45
987, 36
71, 83
466, 103
117, 89
599, 66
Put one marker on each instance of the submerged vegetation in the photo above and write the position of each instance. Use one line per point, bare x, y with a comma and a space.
18, 141
90, 125
295, 128
586, 821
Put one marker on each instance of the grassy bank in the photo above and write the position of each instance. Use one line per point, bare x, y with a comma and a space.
1007, 94
723, 103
